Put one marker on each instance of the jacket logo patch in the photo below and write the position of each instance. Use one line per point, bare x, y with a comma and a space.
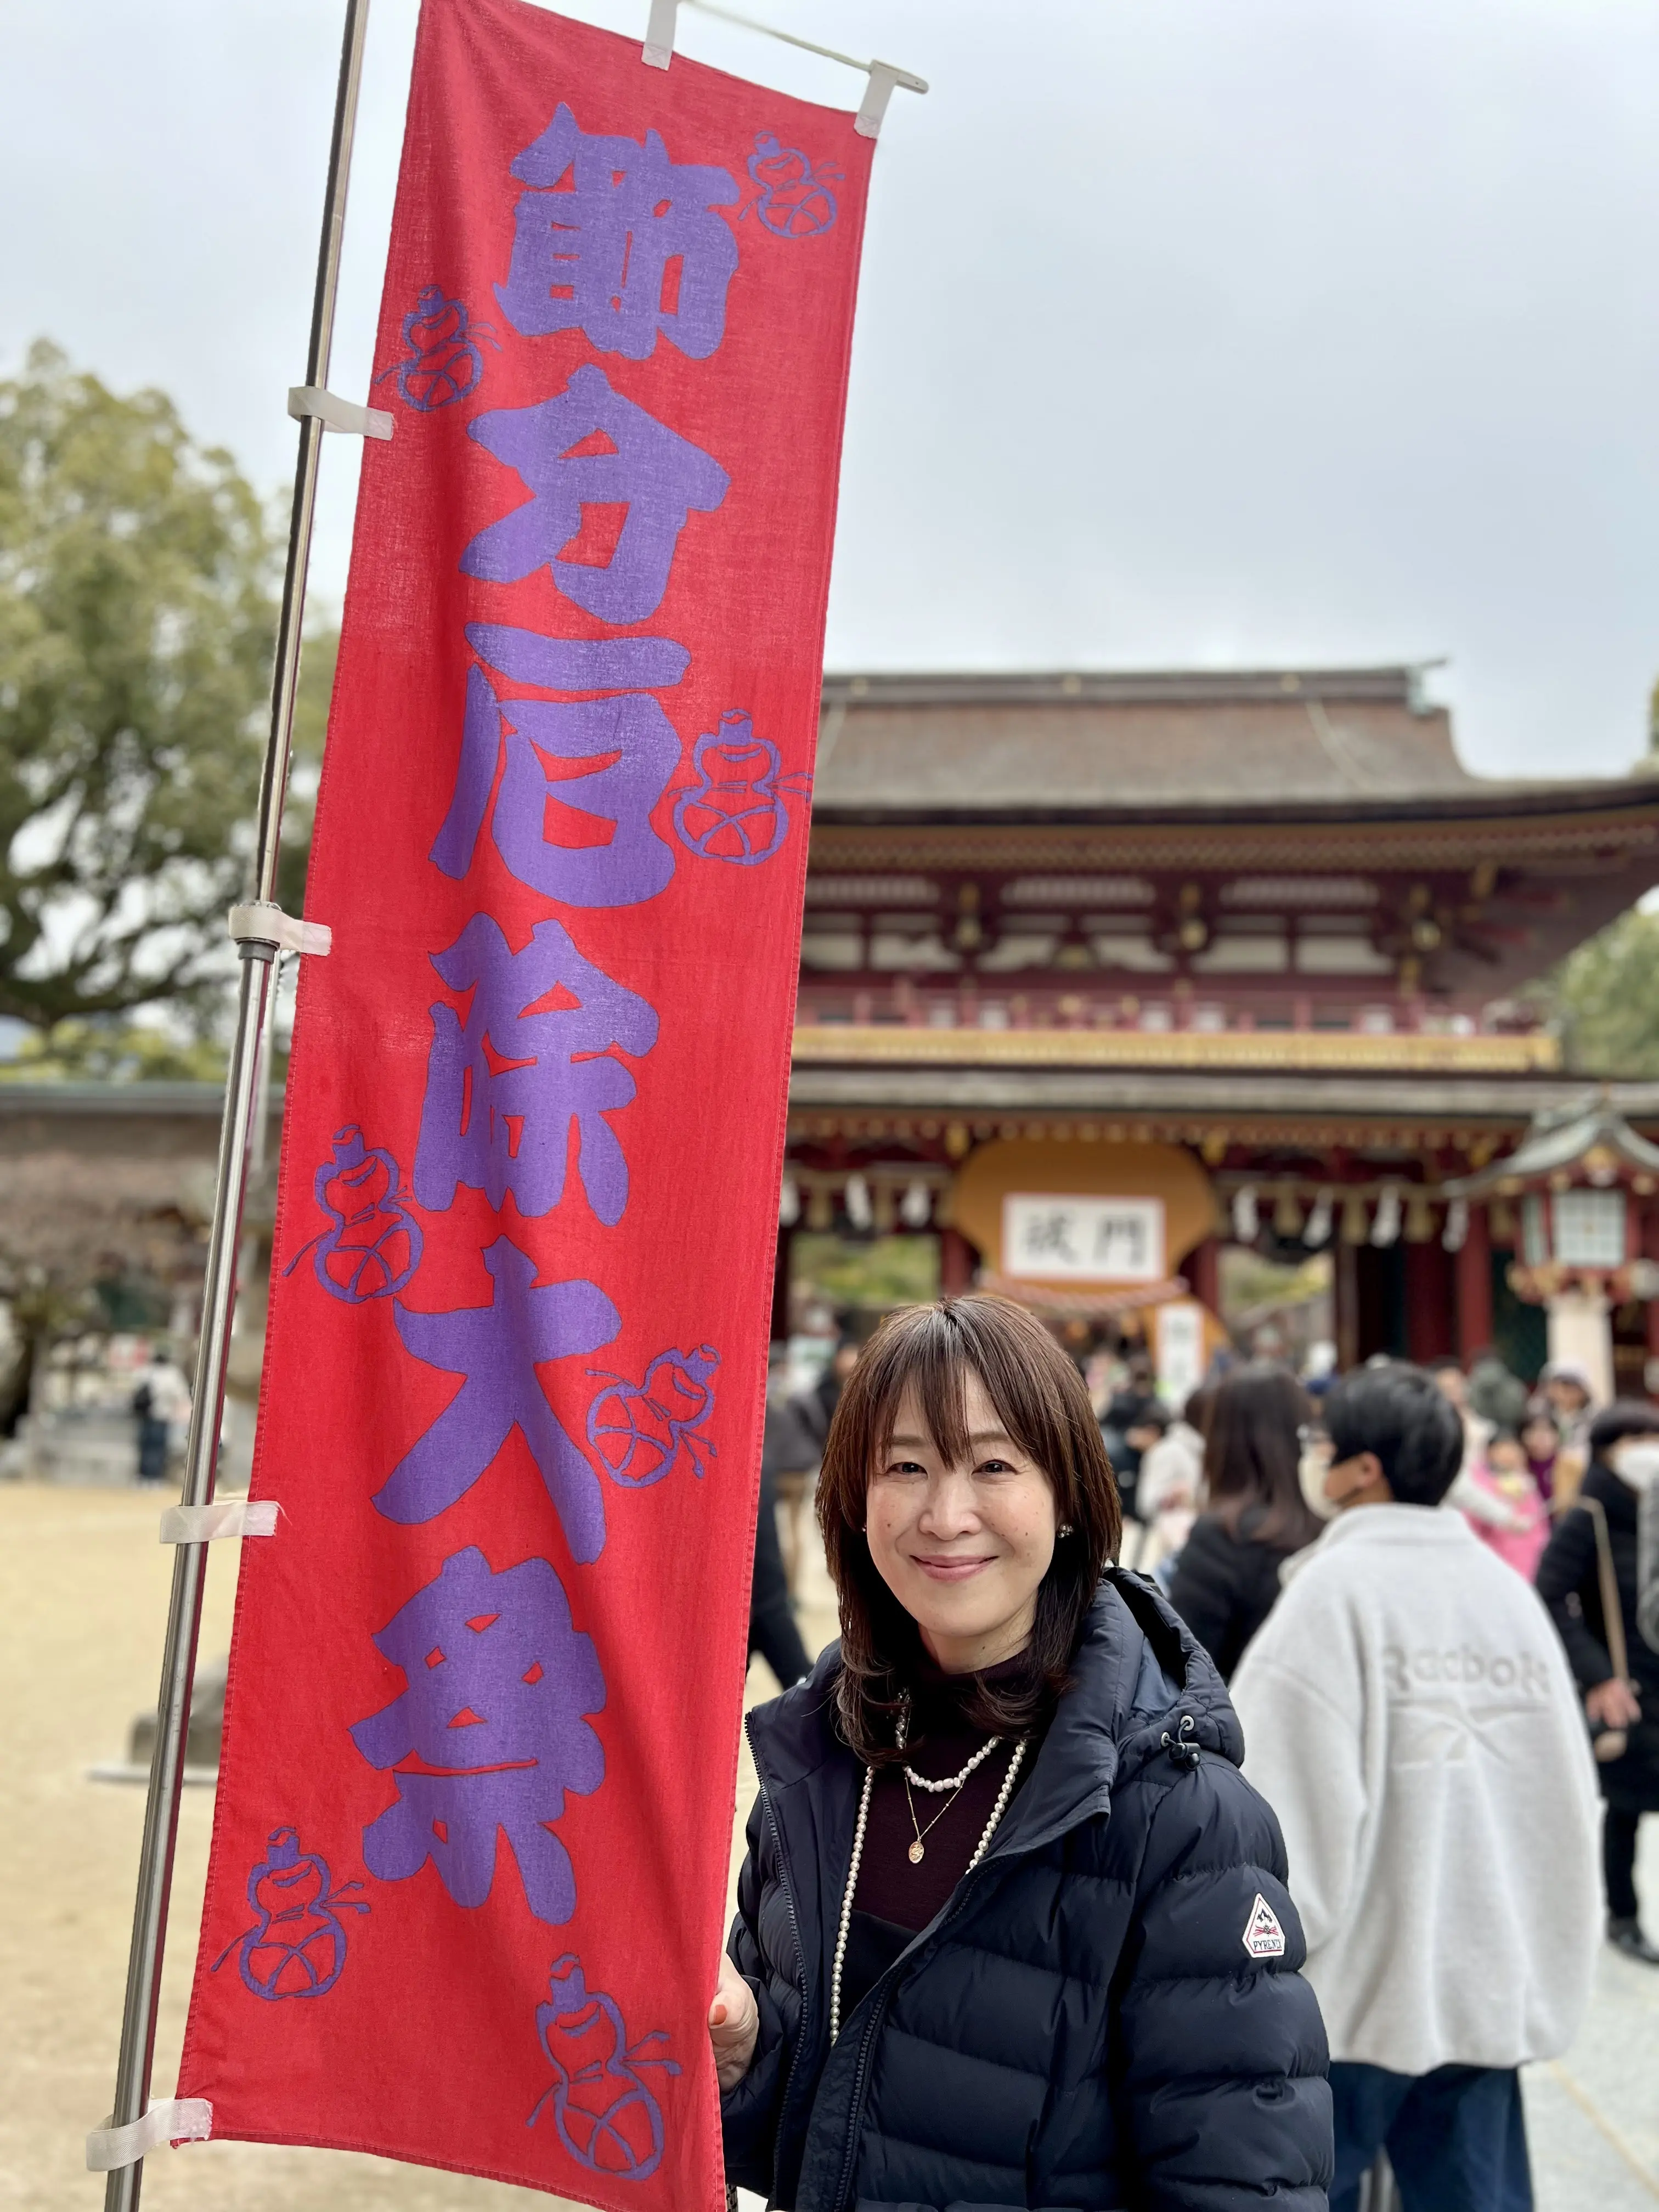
1263, 1936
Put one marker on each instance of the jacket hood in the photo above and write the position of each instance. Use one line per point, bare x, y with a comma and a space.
1117, 1715
1618, 1500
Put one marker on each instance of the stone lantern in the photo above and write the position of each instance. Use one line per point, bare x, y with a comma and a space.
1578, 1183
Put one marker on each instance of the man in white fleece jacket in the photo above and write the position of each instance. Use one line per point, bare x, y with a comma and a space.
1409, 1714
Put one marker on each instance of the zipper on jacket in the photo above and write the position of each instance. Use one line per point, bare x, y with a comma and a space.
958, 1904
773, 1823
849, 2159
867, 2042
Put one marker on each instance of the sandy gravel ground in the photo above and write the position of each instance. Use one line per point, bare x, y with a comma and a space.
83, 1597
83, 1590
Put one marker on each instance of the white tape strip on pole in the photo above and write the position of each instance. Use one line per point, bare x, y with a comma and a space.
226, 1517
336, 414
170, 2119
263, 923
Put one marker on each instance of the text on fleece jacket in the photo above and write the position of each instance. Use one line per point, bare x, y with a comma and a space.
1409, 1715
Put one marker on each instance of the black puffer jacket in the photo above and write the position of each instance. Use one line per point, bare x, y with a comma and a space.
1226, 1583
1084, 2027
1570, 1585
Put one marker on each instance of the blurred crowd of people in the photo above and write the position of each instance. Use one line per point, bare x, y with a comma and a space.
1222, 1497
1425, 1761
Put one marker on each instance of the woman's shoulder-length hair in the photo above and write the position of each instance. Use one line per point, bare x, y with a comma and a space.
1252, 1454
1042, 1402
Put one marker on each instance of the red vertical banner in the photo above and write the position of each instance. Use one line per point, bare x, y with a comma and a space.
472, 1830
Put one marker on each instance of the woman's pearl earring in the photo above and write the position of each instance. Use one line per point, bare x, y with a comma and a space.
1063, 1530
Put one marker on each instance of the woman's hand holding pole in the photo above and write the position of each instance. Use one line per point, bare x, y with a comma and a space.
734, 2025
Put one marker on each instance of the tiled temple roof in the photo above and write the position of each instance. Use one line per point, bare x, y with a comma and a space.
1356, 741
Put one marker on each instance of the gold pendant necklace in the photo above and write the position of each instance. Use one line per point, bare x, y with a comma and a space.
956, 1783
918, 1850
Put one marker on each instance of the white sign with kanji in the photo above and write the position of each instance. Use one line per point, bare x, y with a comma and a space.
1083, 1240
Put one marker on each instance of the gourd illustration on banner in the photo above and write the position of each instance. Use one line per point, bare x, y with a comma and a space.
607, 2118
443, 362
493, 1663
296, 1946
373, 1244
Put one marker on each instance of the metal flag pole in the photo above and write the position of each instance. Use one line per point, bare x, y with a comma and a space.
245, 1099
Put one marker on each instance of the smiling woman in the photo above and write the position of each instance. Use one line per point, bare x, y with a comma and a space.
1012, 1929
964, 1444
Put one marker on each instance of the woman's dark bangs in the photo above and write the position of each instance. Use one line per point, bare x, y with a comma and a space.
1015, 1391
928, 1357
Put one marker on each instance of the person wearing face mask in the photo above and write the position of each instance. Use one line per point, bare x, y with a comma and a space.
1012, 1929
1590, 1564
1411, 1717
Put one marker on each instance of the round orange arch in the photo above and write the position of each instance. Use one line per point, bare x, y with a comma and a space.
1017, 1166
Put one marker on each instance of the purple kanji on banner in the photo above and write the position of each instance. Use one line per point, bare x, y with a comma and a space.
594, 255
631, 460
508, 1128
497, 1348
580, 664
499, 1685
634, 863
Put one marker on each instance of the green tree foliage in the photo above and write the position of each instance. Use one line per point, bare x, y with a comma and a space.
873, 1275
1603, 999
76, 1050
138, 589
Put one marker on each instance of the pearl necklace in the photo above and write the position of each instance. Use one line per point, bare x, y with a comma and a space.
951, 1781
980, 1849
953, 1784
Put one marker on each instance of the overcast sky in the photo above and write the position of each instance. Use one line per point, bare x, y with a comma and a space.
1192, 333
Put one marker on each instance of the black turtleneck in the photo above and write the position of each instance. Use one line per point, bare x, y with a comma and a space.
896, 1897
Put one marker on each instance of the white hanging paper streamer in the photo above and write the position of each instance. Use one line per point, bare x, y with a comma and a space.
1456, 1232
916, 1205
789, 1203
1385, 1223
860, 1211
1317, 1232
169, 2119
226, 1517
1247, 1220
